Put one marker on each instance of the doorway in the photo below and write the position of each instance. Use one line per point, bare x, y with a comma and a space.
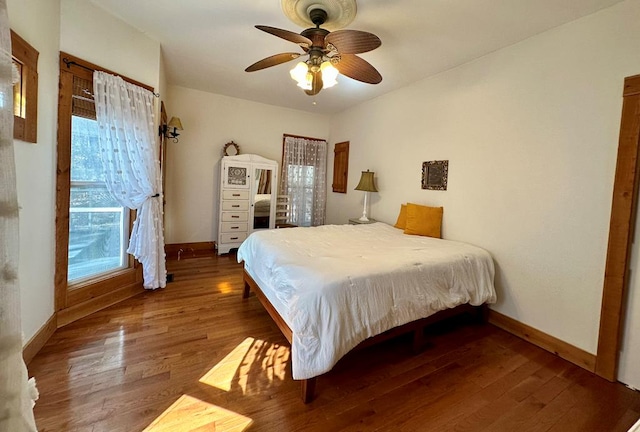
628, 371
619, 253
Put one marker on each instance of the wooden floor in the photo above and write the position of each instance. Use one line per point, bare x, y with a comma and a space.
196, 357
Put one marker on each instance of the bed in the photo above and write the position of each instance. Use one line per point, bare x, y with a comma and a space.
330, 288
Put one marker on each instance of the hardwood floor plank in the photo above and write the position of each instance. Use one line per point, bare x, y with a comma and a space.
196, 357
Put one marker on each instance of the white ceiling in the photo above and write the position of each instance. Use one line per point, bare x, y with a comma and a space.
207, 44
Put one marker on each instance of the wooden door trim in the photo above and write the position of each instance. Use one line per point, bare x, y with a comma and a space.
621, 230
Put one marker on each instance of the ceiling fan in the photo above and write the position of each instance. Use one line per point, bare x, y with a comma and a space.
329, 53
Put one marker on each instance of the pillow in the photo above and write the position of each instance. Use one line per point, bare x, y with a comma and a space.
423, 220
402, 217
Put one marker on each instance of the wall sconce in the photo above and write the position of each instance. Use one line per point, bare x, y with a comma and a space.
367, 185
174, 123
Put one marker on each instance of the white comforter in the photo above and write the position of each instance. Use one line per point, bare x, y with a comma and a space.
340, 284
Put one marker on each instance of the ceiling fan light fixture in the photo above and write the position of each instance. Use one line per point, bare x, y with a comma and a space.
301, 74
307, 84
329, 74
330, 53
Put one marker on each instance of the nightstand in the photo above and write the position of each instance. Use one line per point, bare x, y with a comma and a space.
356, 221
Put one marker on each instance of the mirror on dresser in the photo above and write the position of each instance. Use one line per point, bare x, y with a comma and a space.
262, 200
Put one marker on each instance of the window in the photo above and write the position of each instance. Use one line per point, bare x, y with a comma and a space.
25, 91
301, 185
98, 225
19, 109
303, 179
92, 231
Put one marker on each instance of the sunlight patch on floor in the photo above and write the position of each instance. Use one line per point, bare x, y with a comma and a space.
225, 287
192, 414
252, 359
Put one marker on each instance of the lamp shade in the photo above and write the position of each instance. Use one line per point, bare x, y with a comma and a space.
175, 123
366, 182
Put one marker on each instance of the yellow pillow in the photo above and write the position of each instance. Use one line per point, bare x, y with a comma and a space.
423, 220
402, 217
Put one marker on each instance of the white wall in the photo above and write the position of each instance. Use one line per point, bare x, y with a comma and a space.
531, 135
193, 164
94, 35
37, 22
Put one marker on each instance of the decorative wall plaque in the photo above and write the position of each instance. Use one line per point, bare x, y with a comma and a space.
231, 149
434, 175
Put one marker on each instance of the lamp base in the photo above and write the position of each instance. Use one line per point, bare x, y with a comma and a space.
363, 219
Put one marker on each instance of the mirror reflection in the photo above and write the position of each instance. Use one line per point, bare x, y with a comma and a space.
262, 199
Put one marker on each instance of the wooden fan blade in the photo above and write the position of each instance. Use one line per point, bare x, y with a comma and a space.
358, 69
353, 41
287, 35
272, 61
316, 85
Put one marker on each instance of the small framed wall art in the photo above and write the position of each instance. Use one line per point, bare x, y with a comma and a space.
434, 175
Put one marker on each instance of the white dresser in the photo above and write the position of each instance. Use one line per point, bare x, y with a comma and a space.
248, 187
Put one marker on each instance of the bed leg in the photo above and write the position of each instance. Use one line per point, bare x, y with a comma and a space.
308, 389
246, 290
483, 314
419, 342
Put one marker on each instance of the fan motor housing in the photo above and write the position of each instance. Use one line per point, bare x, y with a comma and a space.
316, 35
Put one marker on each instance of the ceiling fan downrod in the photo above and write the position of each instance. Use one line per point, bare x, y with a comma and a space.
317, 16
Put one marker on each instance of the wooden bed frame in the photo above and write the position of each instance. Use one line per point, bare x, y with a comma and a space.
417, 327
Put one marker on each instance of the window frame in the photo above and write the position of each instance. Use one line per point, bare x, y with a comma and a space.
26, 128
78, 299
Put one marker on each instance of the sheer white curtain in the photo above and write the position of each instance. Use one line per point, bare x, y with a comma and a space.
16, 393
132, 167
304, 174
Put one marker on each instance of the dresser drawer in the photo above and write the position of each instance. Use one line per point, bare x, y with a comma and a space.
235, 216
235, 205
235, 195
232, 237
229, 227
